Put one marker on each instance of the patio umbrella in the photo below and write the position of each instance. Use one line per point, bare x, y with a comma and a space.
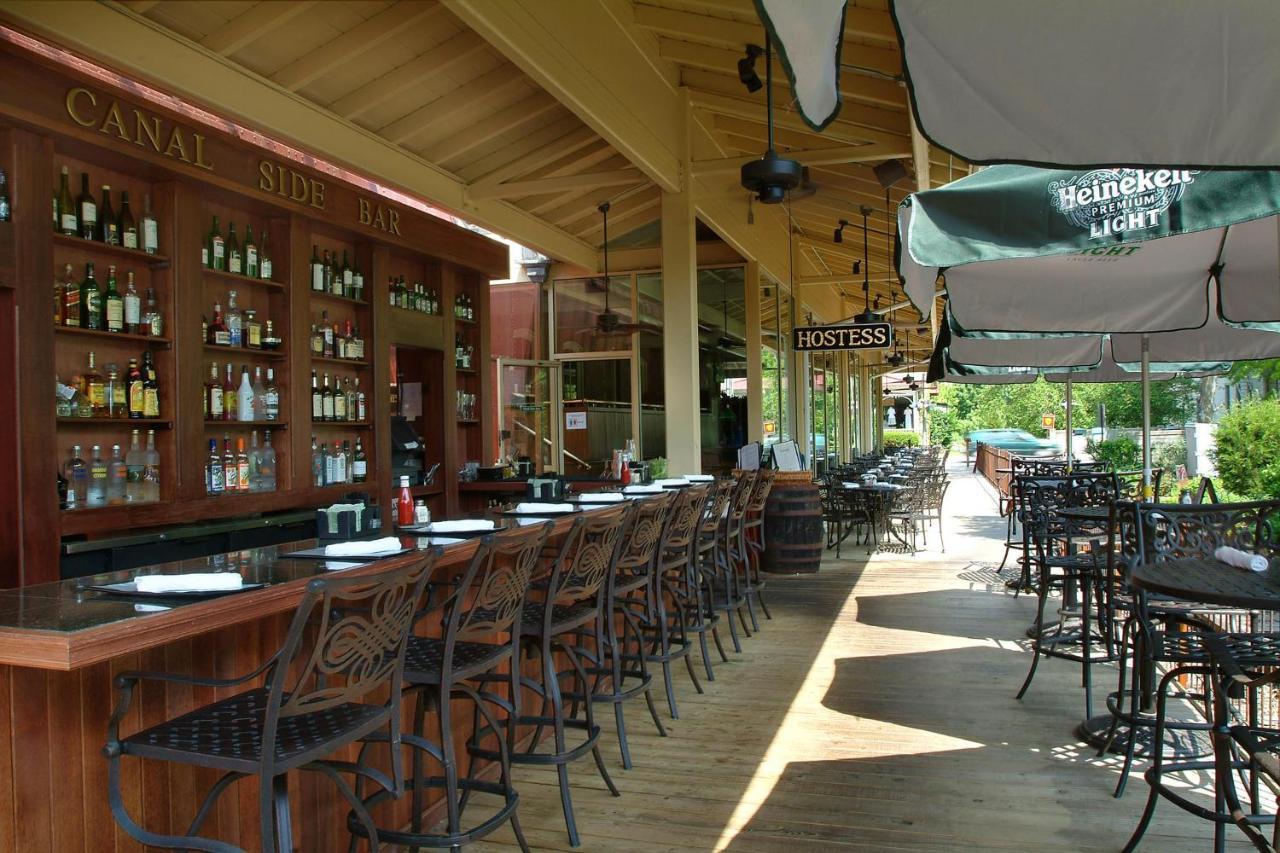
1142, 82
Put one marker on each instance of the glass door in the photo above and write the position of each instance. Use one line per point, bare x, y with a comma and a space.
529, 411
599, 414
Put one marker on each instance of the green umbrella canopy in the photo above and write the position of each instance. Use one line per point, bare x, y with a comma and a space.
1027, 251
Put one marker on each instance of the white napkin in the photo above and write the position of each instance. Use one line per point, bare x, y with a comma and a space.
531, 508
462, 525
643, 490
1241, 559
150, 608
195, 582
339, 565
601, 497
671, 481
444, 540
700, 478
385, 545
851, 485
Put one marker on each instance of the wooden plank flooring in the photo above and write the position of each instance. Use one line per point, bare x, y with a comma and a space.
875, 712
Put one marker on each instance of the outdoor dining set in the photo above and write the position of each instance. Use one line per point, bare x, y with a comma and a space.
888, 502
1182, 599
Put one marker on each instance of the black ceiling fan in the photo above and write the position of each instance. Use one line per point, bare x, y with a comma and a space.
771, 177
609, 322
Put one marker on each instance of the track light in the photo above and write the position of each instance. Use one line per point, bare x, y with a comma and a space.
747, 69
838, 236
857, 267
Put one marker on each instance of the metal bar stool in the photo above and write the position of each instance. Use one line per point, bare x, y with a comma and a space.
753, 531
712, 566
347, 686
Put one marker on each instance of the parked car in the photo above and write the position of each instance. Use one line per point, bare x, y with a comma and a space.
1019, 442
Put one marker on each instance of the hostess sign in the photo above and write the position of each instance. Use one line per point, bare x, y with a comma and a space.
858, 336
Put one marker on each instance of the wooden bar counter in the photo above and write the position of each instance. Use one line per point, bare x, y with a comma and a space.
61, 645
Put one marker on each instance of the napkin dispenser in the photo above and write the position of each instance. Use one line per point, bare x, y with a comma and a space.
545, 489
345, 522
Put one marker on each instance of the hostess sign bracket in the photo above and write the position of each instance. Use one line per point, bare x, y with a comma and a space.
857, 336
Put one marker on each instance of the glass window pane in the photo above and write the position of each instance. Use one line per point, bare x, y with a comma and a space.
722, 366
526, 414
591, 319
597, 411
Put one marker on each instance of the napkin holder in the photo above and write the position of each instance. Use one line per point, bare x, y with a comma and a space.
545, 489
346, 527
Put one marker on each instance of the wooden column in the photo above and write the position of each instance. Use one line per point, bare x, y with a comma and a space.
755, 367
680, 333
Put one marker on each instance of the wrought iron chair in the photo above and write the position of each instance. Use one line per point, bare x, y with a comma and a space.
717, 565
753, 531
707, 544
1016, 538
317, 697
480, 612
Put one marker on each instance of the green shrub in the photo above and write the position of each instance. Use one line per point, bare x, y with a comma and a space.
895, 438
1247, 439
1169, 457
1119, 454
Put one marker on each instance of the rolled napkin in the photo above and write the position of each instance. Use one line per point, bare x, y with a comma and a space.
462, 525
385, 545
444, 540
195, 582
643, 490
671, 481
535, 508
1241, 559
601, 497
700, 478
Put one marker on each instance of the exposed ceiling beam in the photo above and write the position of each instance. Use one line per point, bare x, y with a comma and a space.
858, 22
813, 280
518, 189
399, 80
141, 7
837, 131
119, 38
541, 205
529, 160
473, 94
810, 157
256, 22
590, 225
688, 25
583, 54
506, 120
351, 44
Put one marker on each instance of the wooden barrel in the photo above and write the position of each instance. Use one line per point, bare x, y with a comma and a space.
793, 537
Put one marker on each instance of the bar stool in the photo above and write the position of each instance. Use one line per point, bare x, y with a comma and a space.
707, 560
735, 551
677, 593
753, 532
480, 613
347, 686
572, 597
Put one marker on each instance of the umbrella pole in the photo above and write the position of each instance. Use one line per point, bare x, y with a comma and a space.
1147, 492
1069, 430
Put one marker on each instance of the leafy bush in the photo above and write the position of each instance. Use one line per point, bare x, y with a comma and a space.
944, 427
1246, 449
1119, 454
1169, 456
895, 438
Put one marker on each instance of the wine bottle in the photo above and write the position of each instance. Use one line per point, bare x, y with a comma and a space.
128, 225
150, 228
359, 463
108, 225
217, 248
152, 319
132, 308
250, 253
264, 259
86, 210
234, 258
112, 303
90, 300
317, 399
69, 221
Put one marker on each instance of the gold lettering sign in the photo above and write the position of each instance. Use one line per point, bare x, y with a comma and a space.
279, 179
131, 124
375, 215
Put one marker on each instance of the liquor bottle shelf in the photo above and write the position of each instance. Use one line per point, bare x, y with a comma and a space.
430, 490
346, 362
468, 422
417, 312
266, 354
464, 320
140, 423
333, 297
244, 279
136, 255
159, 342
468, 370
341, 425
219, 424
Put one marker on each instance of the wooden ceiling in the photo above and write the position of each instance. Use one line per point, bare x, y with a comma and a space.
413, 73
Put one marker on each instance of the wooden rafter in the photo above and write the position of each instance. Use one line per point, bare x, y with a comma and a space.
523, 156
858, 22
401, 80
256, 22
837, 131
506, 120
472, 95
538, 186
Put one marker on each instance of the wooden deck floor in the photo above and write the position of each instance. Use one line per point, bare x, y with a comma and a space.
875, 712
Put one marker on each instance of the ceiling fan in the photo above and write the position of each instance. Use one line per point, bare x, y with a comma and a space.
771, 177
609, 322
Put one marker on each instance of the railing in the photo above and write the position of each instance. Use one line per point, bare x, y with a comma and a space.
988, 461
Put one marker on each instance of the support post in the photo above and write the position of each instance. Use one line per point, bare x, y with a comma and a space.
680, 334
755, 365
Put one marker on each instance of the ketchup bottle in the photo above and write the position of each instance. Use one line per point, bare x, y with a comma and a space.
626, 474
404, 504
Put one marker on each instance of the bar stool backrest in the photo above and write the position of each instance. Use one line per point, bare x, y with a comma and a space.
1041, 497
741, 498
716, 507
760, 493
682, 525
590, 550
640, 545
361, 626
1174, 531
490, 595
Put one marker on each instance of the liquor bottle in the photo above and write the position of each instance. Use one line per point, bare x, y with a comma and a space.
77, 480
63, 394
317, 340
244, 396
317, 399
457, 349
357, 283
108, 225
4, 198
117, 476
135, 391
348, 276
59, 303
68, 221
267, 465
97, 485
339, 401
259, 396
228, 397
252, 334
357, 343
339, 471
327, 331
214, 479
391, 290
235, 323
153, 322
255, 483
213, 394
359, 463
242, 465
216, 248
361, 414
250, 252
269, 339
150, 387
346, 461
151, 471
86, 211
113, 305
93, 389
326, 400
235, 259
150, 228
339, 343
135, 462
128, 227
90, 300
271, 398
317, 464
334, 273
132, 307
350, 394
218, 333
264, 259
230, 468
70, 291
317, 269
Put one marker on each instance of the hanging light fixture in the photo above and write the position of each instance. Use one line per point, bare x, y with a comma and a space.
867, 316
838, 236
747, 69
